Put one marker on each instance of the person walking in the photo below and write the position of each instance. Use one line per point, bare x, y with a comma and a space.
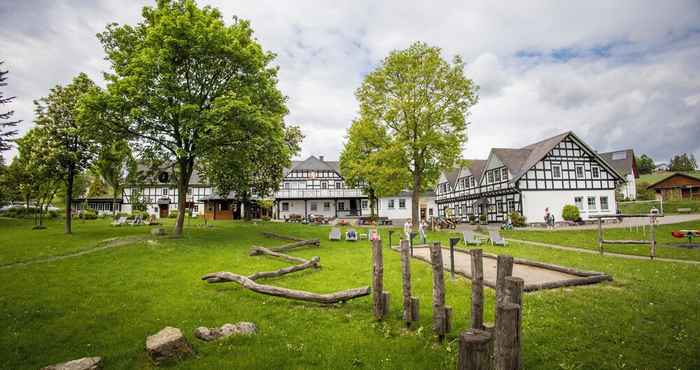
421, 230
407, 228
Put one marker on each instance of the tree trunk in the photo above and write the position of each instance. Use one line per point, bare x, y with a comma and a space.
69, 199
114, 203
415, 202
183, 179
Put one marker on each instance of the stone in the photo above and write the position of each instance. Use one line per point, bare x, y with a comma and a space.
158, 231
166, 345
85, 363
226, 330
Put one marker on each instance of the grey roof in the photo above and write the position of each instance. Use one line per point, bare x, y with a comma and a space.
519, 161
312, 163
622, 160
452, 176
149, 174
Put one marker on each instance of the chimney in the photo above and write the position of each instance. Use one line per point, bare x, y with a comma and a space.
320, 157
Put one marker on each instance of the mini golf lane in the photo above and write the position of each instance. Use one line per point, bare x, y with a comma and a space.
536, 275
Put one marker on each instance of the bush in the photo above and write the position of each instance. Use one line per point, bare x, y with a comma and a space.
173, 214
53, 214
517, 219
87, 214
122, 214
472, 219
570, 213
643, 193
266, 218
482, 218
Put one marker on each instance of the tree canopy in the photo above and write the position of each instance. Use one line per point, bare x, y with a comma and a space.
645, 165
184, 85
683, 163
7, 125
69, 137
422, 103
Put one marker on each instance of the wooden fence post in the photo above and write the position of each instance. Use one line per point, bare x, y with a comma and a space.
653, 237
474, 350
506, 345
514, 294
504, 268
477, 289
410, 304
380, 298
600, 234
441, 313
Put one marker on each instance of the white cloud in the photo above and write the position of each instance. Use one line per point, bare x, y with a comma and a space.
620, 74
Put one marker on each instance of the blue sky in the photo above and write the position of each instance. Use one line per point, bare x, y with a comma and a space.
621, 74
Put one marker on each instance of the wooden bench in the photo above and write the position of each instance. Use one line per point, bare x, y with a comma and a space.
683, 210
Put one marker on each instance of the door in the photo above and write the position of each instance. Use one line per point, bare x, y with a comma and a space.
164, 210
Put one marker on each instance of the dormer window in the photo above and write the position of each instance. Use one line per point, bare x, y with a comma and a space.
163, 177
504, 173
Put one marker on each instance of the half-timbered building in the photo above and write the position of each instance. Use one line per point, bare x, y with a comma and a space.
548, 174
316, 187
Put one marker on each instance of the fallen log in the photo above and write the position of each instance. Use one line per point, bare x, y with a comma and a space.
299, 244
257, 250
341, 296
270, 235
314, 262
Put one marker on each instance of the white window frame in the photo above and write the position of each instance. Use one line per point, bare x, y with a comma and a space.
579, 203
607, 203
588, 203
504, 174
164, 191
285, 206
583, 171
595, 172
313, 207
364, 203
326, 206
402, 203
390, 204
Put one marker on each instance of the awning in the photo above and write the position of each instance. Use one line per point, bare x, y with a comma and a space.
164, 201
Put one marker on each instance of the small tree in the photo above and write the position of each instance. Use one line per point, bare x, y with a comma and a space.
69, 137
422, 103
570, 213
113, 164
683, 163
645, 165
6, 124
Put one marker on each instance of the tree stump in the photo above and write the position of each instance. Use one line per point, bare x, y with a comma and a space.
410, 303
378, 280
474, 350
441, 316
506, 348
514, 294
477, 264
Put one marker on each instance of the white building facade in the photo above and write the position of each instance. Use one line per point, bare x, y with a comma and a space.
548, 174
624, 163
399, 207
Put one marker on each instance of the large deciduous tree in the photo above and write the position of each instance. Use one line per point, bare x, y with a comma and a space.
184, 84
422, 102
6, 124
68, 134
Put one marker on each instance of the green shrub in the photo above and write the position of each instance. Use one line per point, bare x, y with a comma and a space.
643, 193
173, 214
517, 219
472, 219
570, 213
266, 218
87, 214
122, 214
482, 218
53, 214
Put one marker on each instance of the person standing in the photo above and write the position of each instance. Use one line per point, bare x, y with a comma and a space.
407, 227
421, 230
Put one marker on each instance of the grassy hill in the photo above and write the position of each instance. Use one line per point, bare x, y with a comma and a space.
656, 176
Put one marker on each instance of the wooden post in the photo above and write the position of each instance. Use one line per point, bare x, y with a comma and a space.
504, 268
453, 242
378, 280
441, 316
506, 338
514, 294
653, 237
474, 350
410, 313
600, 234
477, 289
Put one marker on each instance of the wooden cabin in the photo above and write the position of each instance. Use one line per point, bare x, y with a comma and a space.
676, 187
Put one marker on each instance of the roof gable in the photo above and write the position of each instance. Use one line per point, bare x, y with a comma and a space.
685, 179
622, 160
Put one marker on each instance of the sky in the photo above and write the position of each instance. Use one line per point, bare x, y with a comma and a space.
620, 74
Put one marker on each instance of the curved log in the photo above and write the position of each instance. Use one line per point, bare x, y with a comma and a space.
314, 262
341, 296
299, 244
270, 235
256, 250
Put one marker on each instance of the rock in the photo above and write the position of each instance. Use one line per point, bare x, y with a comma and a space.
85, 363
168, 344
226, 330
158, 231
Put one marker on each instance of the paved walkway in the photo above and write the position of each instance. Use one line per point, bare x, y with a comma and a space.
591, 251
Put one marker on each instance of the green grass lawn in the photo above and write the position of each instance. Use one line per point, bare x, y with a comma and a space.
667, 245
670, 207
106, 303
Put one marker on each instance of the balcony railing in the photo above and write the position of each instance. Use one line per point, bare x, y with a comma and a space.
318, 193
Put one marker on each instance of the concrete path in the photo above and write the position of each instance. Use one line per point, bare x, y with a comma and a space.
626, 222
591, 251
